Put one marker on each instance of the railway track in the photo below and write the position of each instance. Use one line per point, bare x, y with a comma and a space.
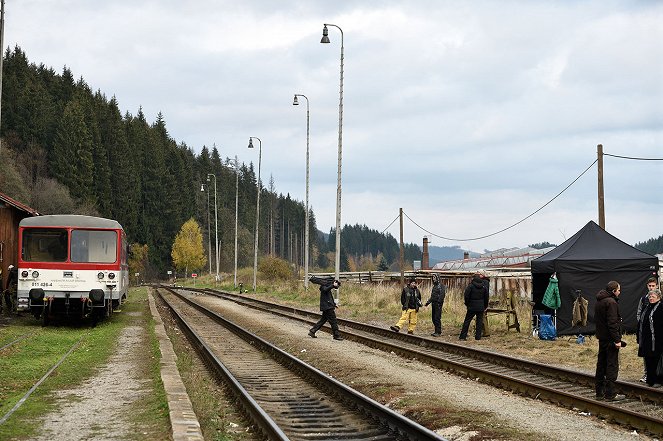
283, 396
642, 409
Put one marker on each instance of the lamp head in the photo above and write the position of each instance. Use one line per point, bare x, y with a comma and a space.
325, 35
250, 143
295, 102
202, 187
208, 177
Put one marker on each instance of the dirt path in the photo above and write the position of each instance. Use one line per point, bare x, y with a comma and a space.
97, 409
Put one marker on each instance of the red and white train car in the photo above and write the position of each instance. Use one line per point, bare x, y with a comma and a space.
71, 265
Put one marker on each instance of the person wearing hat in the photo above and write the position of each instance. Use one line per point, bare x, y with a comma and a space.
437, 300
476, 301
327, 306
410, 303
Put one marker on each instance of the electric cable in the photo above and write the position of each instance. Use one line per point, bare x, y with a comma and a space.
390, 224
631, 157
510, 226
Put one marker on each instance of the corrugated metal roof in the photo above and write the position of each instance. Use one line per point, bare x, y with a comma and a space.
503, 258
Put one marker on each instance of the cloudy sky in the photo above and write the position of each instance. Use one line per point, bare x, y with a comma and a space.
468, 115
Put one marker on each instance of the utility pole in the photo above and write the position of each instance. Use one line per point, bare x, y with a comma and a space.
599, 154
402, 259
2, 55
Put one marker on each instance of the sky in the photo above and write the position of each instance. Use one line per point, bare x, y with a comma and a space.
470, 116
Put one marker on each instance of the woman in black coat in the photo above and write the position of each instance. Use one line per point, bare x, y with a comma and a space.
650, 337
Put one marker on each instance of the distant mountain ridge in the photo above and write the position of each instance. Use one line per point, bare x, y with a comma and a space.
440, 254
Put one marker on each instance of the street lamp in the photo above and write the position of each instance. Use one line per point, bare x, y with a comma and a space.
255, 243
216, 227
236, 205
209, 236
296, 103
325, 39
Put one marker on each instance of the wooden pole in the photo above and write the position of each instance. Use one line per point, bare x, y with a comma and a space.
402, 259
599, 154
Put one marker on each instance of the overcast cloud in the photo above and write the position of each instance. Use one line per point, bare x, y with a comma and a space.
468, 115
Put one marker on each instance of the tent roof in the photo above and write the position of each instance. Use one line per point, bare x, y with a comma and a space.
593, 249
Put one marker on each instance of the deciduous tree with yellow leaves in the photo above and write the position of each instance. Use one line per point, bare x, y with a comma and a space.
187, 250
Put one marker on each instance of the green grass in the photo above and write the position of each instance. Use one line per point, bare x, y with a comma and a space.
25, 362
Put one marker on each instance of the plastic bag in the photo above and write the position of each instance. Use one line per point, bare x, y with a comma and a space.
547, 329
581, 339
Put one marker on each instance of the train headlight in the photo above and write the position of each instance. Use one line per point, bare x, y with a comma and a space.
35, 274
24, 274
100, 275
111, 276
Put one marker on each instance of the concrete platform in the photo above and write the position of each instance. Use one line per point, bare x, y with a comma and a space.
183, 420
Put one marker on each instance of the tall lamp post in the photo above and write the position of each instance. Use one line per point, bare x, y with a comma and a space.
216, 227
236, 205
209, 236
255, 243
325, 39
306, 240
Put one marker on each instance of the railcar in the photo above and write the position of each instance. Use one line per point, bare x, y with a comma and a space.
71, 266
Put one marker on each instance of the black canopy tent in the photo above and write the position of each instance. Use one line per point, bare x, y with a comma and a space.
584, 264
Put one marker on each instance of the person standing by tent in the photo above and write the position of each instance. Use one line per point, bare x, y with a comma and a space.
437, 300
410, 303
476, 301
650, 337
652, 284
609, 334
327, 306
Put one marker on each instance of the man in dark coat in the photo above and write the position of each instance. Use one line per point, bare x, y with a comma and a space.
327, 306
476, 301
437, 300
609, 333
410, 303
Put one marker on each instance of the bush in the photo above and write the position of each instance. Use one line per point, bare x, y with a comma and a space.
273, 268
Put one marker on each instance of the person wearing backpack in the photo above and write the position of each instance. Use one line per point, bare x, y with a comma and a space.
476, 301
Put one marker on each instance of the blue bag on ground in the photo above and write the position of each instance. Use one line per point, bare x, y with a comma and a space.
547, 329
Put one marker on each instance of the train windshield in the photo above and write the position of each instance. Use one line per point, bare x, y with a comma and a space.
93, 246
44, 245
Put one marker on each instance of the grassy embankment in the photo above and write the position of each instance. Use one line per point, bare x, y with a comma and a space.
24, 363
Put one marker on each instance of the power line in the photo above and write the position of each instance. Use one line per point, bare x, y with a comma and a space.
630, 157
390, 224
510, 226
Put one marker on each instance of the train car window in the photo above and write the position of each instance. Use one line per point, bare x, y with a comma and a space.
99, 246
44, 245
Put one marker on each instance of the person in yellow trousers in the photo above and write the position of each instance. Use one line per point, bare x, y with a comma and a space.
410, 302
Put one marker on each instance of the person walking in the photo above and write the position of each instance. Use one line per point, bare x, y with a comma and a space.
437, 295
609, 333
476, 302
9, 293
650, 337
328, 307
410, 303
652, 284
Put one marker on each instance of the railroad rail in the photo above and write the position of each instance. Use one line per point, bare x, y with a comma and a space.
642, 409
285, 397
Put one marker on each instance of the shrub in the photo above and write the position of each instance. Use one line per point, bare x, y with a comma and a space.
273, 268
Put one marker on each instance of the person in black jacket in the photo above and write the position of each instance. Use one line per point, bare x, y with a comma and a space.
10, 292
476, 301
410, 303
437, 300
650, 337
609, 333
652, 284
327, 306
